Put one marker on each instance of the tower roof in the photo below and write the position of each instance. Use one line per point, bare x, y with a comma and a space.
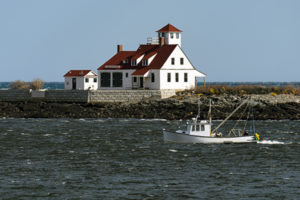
169, 28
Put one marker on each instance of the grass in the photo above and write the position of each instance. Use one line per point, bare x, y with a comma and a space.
246, 89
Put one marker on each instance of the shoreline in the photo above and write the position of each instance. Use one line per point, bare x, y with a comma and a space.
266, 107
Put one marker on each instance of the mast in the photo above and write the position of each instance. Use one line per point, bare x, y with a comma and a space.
252, 113
223, 122
209, 114
198, 115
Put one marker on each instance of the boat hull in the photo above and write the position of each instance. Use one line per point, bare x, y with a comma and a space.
184, 138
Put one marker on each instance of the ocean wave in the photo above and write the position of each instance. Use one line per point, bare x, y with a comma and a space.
271, 142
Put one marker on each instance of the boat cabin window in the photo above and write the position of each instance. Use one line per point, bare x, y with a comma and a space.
198, 127
202, 127
193, 128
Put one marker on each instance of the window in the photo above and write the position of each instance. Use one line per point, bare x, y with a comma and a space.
117, 79
177, 35
172, 35
193, 128
126, 75
95, 80
134, 79
67, 82
185, 77
181, 61
173, 61
105, 79
202, 127
86, 80
176, 77
198, 127
144, 62
152, 77
169, 77
133, 62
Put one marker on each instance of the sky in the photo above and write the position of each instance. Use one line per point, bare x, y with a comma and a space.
229, 40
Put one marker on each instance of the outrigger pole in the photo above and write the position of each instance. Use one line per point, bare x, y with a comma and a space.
223, 122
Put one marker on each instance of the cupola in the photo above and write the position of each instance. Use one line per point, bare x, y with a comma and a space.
169, 35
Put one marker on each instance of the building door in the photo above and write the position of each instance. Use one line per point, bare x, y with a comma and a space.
73, 83
141, 82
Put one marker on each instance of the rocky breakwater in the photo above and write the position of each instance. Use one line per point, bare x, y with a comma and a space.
178, 107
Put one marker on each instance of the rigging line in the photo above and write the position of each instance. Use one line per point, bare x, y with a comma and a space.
248, 116
252, 109
241, 116
224, 121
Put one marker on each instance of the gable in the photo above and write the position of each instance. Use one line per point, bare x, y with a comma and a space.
177, 54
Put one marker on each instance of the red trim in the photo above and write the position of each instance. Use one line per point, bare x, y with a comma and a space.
169, 28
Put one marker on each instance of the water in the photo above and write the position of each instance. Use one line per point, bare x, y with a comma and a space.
60, 85
127, 159
47, 85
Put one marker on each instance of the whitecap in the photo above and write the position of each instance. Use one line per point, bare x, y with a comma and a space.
47, 135
270, 142
173, 150
144, 147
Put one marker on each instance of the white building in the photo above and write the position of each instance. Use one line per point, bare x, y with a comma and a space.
81, 80
159, 64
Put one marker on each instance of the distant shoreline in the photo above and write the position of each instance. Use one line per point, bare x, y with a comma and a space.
60, 85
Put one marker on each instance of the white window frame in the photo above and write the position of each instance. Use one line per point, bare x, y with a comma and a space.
133, 63
169, 77
182, 61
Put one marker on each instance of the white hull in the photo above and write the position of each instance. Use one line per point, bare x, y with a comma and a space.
184, 138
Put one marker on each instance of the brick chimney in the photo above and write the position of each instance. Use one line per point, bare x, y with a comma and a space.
161, 41
120, 47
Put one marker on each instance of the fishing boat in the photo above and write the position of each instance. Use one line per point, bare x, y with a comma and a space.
200, 131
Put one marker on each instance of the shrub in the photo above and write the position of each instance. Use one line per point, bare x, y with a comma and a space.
19, 85
273, 94
247, 89
37, 84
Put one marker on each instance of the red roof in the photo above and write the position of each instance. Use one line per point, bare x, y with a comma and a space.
162, 54
169, 28
78, 73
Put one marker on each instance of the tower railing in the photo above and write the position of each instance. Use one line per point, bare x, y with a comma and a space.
152, 40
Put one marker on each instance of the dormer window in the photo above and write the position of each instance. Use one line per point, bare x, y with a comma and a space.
133, 62
125, 61
144, 62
